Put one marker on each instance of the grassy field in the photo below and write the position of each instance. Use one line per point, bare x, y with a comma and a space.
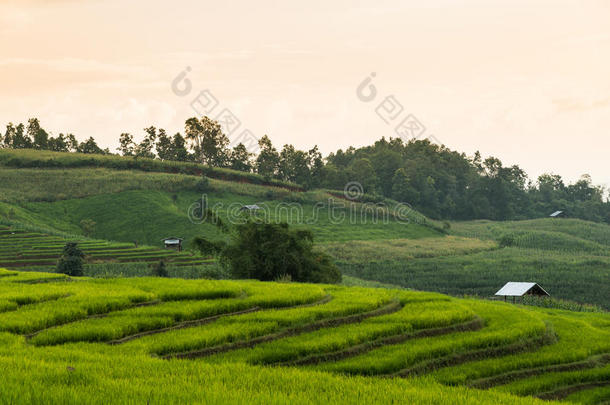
20, 248
140, 202
28, 158
569, 258
157, 340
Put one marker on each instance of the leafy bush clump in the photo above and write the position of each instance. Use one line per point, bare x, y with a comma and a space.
203, 185
268, 252
507, 240
71, 261
160, 270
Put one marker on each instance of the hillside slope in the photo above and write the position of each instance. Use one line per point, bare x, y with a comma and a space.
177, 341
145, 206
570, 258
140, 202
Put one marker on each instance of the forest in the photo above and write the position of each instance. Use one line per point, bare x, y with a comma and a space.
435, 180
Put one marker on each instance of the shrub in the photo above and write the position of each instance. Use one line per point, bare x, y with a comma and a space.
159, 269
203, 185
507, 240
71, 261
88, 226
268, 252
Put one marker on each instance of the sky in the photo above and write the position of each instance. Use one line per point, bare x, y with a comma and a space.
525, 81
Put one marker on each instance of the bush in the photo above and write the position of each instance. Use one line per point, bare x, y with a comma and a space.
88, 226
268, 252
159, 269
71, 261
203, 185
507, 240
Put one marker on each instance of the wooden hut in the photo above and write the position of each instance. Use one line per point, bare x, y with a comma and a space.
519, 289
173, 243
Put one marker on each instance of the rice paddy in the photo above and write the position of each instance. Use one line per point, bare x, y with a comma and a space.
68, 340
23, 249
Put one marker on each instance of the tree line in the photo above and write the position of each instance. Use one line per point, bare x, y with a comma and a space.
33, 136
439, 182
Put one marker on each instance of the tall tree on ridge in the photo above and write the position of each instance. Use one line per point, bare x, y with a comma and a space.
240, 159
208, 141
127, 147
145, 148
268, 158
39, 137
90, 146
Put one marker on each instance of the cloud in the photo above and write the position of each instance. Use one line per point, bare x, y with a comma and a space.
566, 105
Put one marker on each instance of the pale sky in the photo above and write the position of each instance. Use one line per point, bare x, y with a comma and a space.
525, 81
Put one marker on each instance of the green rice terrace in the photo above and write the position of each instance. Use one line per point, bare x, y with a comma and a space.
20, 248
155, 340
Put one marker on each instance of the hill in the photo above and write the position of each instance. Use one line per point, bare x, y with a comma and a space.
569, 257
176, 341
141, 201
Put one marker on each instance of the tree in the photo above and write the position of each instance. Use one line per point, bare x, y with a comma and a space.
268, 158
88, 226
315, 164
293, 165
364, 173
9, 135
179, 150
402, 189
145, 148
164, 146
127, 145
71, 143
38, 135
58, 144
267, 252
71, 261
20, 139
240, 159
208, 140
90, 146
386, 162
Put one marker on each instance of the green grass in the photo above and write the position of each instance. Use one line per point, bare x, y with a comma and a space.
147, 216
20, 248
359, 251
590, 396
144, 201
482, 229
24, 158
580, 278
411, 318
69, 360
503, 325
569, 258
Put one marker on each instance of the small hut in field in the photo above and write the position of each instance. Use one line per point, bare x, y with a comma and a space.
173, 243
250, 208
519, 289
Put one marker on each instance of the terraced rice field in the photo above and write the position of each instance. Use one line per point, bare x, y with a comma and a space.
168, 340
20, 249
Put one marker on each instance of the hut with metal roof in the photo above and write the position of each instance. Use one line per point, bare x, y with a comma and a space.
519, 289
173, 243
250, 208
